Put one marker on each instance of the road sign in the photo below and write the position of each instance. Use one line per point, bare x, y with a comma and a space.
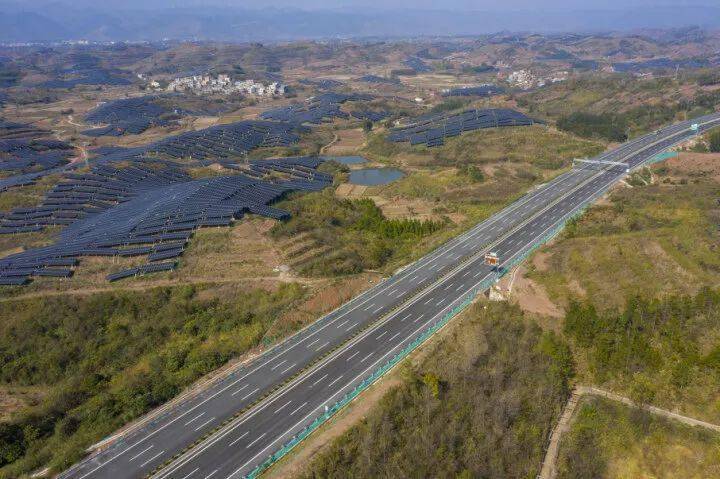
491, 259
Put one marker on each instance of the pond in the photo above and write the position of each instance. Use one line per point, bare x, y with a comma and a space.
348, 160
375, 176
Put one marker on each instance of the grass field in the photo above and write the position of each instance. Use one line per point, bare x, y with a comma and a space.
477, 173
646, 240
539, 146
610, 440
622, 104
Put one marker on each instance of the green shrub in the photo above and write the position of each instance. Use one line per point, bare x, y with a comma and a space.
714, 141
354, 233
647, 337
589, 125
108, 358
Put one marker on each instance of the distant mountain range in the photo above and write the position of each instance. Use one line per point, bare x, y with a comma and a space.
35, 22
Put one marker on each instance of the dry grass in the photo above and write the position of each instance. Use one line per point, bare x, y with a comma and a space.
349, 142
647, 240
16, 398
610, 440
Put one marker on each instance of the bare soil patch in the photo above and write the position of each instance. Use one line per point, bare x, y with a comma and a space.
695, 164
399, 208
204, 122
540, 260
349, 142
15, 398
347, 190
529, 295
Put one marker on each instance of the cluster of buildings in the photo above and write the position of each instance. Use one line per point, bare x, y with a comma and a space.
525, 79
206, 84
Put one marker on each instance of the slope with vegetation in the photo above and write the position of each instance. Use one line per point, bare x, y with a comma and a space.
665, 352
610, 440
105, 359
348, 236
636, 277
615, 107
476, 173
657, 237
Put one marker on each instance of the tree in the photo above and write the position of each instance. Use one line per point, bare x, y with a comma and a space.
12, 444
433, 383
367, 126
714, 140
608, 126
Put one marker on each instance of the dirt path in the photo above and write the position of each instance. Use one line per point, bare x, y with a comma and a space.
549, 467
72, 122
158, 283
332, 142
593, 391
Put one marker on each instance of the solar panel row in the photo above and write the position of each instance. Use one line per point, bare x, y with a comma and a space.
128, 116
25, 155
432, 130
370, 115
417, 64
149, 208
482, 90
225, 141
315, 110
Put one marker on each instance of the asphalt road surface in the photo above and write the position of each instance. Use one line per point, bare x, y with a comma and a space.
289, 386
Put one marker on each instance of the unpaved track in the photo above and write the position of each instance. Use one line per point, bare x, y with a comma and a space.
549, 467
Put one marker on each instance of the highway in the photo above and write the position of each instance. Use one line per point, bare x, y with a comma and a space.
259, 407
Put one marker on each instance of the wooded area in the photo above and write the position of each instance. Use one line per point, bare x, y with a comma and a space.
107, 358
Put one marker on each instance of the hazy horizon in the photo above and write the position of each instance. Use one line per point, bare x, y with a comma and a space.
102, 20
312, 5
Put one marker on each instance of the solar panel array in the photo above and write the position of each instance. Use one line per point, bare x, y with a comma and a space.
26, 179
124, 110
661, 64
370, 115
418, 65
94, 76
225, 141
10, 130
322, 84
27, 154
23, 150
482, 90
24, 155
433, 129
316, 110
128, 128
150, 208
126, 116
379, 79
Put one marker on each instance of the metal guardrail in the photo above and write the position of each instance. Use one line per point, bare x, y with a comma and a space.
422, 337
661, 157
